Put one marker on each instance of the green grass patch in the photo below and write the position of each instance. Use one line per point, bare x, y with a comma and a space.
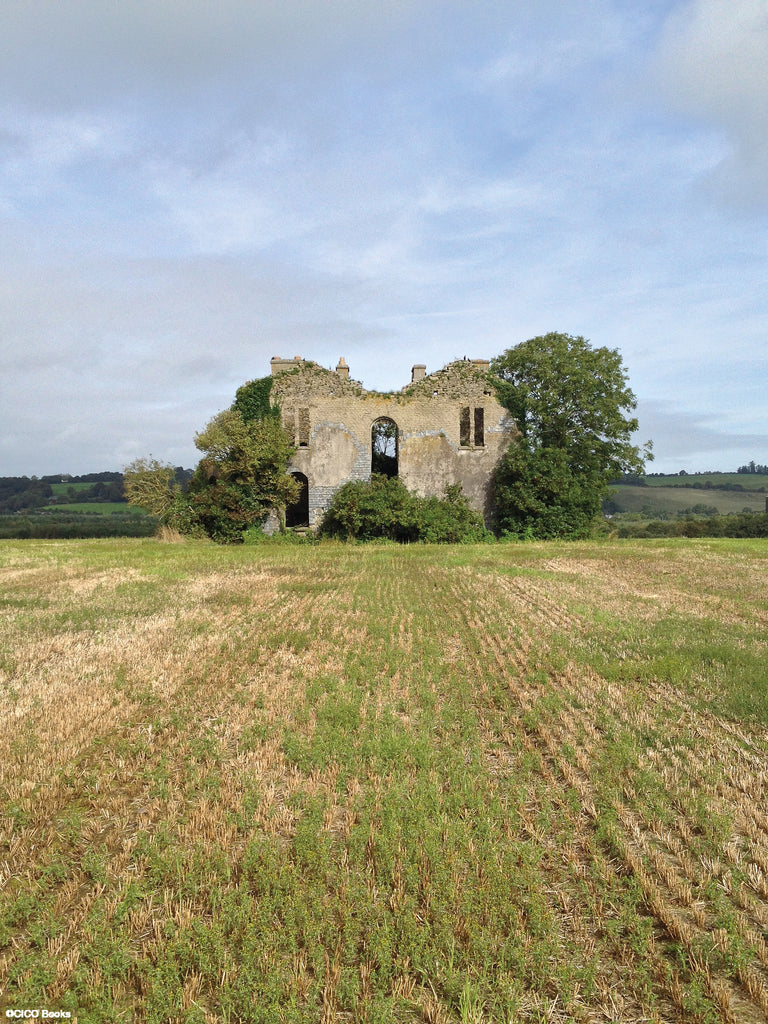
98, 508
381, 784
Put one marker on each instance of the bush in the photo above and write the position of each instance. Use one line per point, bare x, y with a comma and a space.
539, 496
383, 508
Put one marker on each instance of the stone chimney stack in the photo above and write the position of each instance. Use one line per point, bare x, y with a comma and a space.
342, 369
280, 365
418, 372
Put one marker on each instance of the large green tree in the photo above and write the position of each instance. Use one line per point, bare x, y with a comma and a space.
571, 402
242, 474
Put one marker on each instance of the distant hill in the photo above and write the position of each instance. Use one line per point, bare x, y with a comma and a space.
706, 481
64, 506
662, 502
667, 496
29, 493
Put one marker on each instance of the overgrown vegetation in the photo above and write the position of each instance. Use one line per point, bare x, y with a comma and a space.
252, 400
240, 479
570, 402
383, 508
383, 784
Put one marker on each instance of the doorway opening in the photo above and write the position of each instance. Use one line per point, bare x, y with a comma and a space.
297, 514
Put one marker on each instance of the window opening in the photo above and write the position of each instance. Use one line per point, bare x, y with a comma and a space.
303, 428
479, 428
384, 447
289, 421
464, 439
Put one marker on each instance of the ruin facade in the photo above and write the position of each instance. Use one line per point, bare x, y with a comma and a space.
443, 428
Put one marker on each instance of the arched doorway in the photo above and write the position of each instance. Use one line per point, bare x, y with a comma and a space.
297, 514
384, 448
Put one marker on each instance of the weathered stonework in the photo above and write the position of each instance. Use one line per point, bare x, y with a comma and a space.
450, 429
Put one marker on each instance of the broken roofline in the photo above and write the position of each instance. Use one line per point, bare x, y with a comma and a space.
418, 370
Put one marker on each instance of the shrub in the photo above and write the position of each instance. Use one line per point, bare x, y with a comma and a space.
538, 496
383, 508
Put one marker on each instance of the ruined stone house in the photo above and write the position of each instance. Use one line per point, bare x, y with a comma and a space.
443, 428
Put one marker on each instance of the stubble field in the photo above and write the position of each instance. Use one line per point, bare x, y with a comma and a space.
299, 784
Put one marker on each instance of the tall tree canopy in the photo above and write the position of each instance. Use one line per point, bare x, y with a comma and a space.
242, 474
570, 402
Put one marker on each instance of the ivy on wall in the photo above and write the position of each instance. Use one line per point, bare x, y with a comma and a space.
252, 400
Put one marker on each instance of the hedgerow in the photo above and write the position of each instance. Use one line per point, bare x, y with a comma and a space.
746, 524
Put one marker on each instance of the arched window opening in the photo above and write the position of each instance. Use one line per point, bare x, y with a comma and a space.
297, 514
384, 447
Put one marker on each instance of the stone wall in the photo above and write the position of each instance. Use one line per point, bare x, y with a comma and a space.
331, 418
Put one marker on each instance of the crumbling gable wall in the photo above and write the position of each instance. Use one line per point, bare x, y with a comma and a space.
451, 428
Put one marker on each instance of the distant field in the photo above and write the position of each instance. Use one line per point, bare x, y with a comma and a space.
675, 499
749, 481
98, 507
510, 783
59, 489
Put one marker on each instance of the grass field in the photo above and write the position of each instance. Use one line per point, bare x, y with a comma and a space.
675, 499
65, 488
299, 784
749, 481
100, 508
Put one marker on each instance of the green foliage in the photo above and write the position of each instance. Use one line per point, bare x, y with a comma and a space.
539, 496
383, 508
289, 538
20, 492
57, 525
241, 477
569, 401
150, 485
748, 524
252, 400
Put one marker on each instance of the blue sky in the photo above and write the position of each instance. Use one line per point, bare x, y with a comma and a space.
188, 188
